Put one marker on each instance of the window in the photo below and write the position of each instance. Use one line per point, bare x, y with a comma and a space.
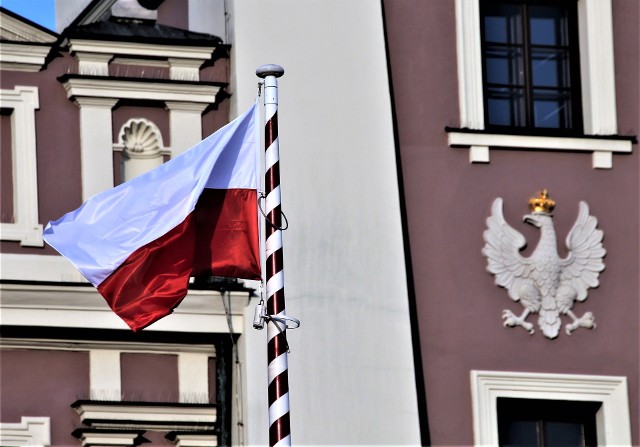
538, 422
530, 64
505, 401
18, 115
575, 90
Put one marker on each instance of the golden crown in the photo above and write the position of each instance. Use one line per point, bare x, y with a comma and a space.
542, 204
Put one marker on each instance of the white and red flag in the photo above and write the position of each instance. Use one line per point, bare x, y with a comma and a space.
139, 242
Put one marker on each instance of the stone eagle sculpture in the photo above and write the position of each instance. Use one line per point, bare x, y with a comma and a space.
545, 283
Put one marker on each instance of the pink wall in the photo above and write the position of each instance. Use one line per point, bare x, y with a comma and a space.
57, 146
157, 381
448, 199
44, 383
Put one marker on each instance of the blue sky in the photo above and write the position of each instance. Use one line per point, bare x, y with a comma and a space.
43, 12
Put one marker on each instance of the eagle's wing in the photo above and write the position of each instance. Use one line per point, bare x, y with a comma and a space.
583, 264
502, 249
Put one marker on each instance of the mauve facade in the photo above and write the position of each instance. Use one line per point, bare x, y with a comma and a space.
447, 200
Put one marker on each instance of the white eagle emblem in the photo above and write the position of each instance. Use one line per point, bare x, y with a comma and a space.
544, 282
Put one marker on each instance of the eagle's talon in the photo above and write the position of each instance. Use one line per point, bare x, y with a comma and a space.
512, 320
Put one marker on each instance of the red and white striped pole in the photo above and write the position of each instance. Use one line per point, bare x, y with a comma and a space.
279, 426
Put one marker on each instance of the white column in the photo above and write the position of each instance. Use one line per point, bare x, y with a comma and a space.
96, 144
193, 377
185, 125
104, 374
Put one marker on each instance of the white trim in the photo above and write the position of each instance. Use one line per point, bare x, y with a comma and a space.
193, 377
96, 146
104, 439
201, 311
195, 440
12, 28
146, 417
26, 227
612, 419
104, 375
30, 431
75, 345
135, 89
597, 74
142, 49
601, 148
185, 125
20, 57
597, 70
469, 64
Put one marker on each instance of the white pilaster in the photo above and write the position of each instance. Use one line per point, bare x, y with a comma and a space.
185, 125
193, 377
104, 374
96, 144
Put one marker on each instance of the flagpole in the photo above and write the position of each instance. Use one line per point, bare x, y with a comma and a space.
279, 423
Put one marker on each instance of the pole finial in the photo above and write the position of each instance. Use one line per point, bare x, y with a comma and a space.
269, 70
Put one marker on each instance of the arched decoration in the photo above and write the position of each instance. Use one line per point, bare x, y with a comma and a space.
140, 141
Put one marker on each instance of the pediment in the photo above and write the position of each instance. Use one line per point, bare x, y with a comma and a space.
14, 28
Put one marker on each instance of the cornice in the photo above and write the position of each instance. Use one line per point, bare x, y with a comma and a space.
141, 49
12, 28
69, 306
23, 57
140, 89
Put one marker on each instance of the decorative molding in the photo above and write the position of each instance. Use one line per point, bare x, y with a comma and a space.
48, 305
92, 64
613, 423
146, 416
14, 29
91, 437
30, 431
544, 283
185, 69
26, 227
479, 143
141, 138
142, 50
469, 64
139, 89
194, 439
597, 74
22, 57
597, 67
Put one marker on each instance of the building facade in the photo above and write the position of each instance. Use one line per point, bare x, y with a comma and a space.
413, 135
501, 99
118, 90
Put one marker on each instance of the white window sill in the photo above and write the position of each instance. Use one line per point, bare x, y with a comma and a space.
480, 143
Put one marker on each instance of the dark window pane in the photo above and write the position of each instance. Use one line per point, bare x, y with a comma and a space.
550, 68
520, 433
505, 65
503, 24
551, 109
506, 106
548, 25
563, 434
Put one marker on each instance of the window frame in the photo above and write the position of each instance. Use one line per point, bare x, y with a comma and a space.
575, 127
597, 80
613, 422
26, 228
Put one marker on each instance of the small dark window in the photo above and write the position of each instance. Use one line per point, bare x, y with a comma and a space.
531, 65
547, 423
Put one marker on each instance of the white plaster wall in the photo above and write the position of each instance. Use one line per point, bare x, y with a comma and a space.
351, 368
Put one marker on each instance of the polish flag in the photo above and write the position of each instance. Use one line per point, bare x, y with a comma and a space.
139, 242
